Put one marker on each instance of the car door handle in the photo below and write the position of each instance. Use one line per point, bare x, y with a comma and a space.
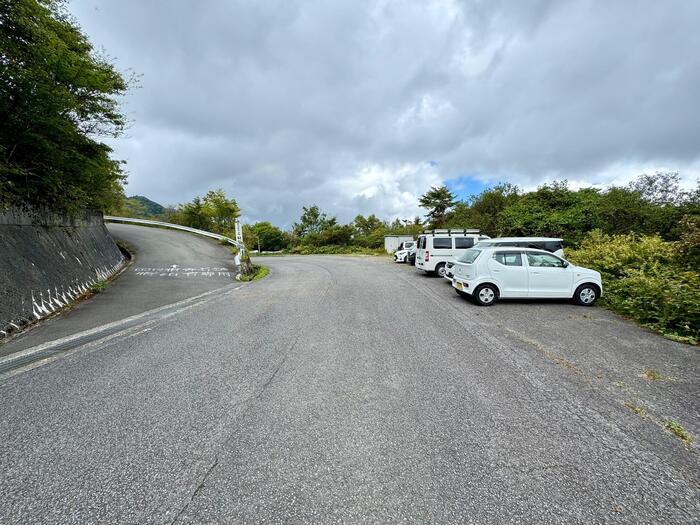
536, 273
496, 271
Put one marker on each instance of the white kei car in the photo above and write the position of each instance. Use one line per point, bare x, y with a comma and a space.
487, 274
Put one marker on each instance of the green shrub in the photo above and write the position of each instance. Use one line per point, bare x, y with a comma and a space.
255, 272
647, 279
334, 250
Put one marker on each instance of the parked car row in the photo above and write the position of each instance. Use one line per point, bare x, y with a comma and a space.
486, 269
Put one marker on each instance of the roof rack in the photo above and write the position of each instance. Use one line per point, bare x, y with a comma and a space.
451, 231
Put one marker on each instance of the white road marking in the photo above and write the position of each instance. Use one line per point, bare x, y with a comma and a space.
179, 306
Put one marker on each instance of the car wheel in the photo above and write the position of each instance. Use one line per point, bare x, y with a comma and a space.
586, 295
485, 295
440, 270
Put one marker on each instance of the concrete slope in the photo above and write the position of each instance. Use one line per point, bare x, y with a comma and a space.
169, 266
48, 261
345, 389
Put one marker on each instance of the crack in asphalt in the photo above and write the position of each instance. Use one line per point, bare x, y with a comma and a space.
250, 402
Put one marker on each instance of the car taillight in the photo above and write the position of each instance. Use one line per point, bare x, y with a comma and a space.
427, 256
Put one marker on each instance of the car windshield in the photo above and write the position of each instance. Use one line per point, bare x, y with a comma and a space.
469, 256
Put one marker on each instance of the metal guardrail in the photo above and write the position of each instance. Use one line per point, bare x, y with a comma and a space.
237, 244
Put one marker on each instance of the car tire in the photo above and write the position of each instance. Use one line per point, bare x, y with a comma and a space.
586, 295
485, 295
440, 270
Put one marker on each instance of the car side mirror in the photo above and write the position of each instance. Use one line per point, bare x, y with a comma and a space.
566, 264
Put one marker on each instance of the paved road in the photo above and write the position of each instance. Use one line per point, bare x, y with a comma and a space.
169, 266
345, 389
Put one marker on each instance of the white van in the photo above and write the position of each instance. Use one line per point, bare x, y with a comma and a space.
550, 244
437, 247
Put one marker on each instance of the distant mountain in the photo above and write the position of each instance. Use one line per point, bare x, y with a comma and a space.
150, 208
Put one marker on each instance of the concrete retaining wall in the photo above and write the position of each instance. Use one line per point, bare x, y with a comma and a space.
49, 260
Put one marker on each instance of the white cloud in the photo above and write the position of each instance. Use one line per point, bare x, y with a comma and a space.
394, 189
286, 104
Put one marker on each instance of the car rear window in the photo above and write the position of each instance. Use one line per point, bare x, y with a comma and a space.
421, 243
469, 256
462, 243
553, 246
442, 242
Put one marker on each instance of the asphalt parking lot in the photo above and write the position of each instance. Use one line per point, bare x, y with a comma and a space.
352, 389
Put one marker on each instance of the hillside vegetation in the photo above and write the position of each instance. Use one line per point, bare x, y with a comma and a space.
58, 98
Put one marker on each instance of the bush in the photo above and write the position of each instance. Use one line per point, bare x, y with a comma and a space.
255, 272
334, 250
647, 279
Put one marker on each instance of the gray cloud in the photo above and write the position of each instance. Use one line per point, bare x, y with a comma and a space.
285, 104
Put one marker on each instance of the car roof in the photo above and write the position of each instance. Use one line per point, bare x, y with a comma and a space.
523, 239
513, 249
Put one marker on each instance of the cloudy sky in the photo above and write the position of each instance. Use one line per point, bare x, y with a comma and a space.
361, 106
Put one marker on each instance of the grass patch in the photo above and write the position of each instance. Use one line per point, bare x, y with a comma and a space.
651, 375
98, 287
636, 409
257, 271
676, 429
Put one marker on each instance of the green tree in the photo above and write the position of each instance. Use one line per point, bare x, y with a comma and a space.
437, 201
483, 211
369, 231
194, 214
221, 211
250, 238
552, 211
269, 237
623, 210
57, 97
312, 221
368, 225
336, 235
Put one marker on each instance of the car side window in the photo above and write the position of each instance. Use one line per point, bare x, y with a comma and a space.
462, 243
543, 260
442, 242
508, 258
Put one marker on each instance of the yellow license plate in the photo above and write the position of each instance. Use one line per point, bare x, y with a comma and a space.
459, 286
